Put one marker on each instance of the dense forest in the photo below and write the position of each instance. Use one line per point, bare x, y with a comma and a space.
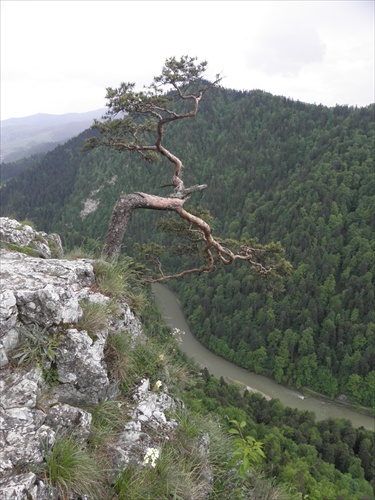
277, 170
304, 459
323, 460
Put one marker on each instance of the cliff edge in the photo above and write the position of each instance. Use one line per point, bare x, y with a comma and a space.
54, 370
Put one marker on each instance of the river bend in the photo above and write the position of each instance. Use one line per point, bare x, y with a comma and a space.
217, 366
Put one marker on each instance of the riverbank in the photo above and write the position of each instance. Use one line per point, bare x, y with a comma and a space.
346, 404
219, 367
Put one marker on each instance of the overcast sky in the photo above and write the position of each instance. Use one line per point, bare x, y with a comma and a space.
59, 56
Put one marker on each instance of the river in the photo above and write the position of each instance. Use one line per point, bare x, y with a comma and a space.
217, 366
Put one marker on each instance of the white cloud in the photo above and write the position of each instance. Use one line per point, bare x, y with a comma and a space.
286, 49
60, 56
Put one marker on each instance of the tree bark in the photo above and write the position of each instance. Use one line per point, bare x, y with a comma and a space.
121, 214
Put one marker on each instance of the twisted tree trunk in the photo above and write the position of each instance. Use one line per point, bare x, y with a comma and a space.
121, 214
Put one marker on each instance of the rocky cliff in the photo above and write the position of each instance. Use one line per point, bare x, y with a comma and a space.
54, 372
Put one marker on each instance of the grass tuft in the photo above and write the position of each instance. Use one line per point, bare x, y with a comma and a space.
121, 280
108, 420
94, 318
73, 470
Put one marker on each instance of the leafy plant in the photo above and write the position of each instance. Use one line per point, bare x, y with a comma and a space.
51, 374
247, 451
37, 346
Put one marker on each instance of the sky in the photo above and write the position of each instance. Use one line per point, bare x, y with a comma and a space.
60, 56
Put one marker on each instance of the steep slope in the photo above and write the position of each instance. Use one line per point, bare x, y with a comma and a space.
277, 170
72, 419
97, 401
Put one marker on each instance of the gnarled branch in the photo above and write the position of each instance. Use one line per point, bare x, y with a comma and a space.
141, 130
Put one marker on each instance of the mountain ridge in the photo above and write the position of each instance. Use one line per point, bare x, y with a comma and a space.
22, 137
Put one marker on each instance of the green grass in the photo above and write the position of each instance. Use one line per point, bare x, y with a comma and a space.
176, 475
72, 469
94, 317
108, 419
79, 253
121, 280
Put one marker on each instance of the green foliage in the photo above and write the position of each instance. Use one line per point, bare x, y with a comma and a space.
37, 346
51, 375
71, 469
247, 451
318, 459
144, 113
181, 240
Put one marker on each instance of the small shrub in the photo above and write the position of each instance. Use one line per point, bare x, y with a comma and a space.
247, 451
51, 375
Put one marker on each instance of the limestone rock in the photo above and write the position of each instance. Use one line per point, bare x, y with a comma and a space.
23, 235
23, 487
46, 292
81, 371
148, 413
42, 296
40, 308
68, 420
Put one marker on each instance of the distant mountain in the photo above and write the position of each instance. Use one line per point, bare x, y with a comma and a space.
22, 137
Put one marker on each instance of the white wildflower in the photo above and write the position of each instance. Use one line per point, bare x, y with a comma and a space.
152, 454
157, 385
177, 333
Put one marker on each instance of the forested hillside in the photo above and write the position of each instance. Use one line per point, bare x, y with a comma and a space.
278, 170
35, 134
